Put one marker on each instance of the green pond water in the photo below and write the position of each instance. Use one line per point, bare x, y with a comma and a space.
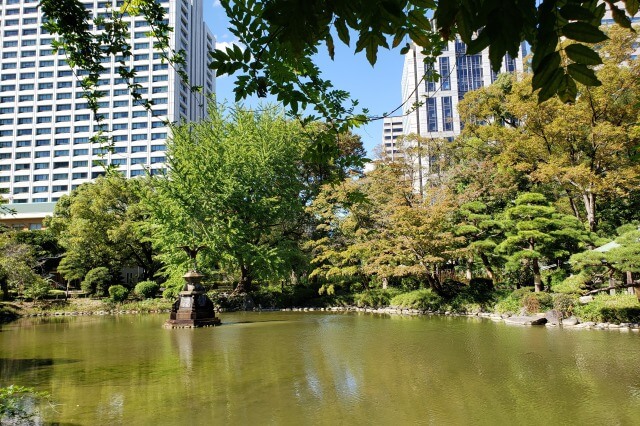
294, 368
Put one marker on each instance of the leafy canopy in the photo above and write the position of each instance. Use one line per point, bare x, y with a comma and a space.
280, 38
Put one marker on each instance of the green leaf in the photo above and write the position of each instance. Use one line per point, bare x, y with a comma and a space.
478, 44
581, 31
419, 37
546, 70
445, 16
393, 8
330, 46
584, 75
573, 11
582, 54
568, 89
551, 87
631, 6
619, 16
419, 20
343, 31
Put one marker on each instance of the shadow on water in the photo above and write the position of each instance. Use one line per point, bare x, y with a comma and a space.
10, 367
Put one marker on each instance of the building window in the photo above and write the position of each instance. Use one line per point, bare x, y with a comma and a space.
445, 71
469, 72
447, 114
432, 115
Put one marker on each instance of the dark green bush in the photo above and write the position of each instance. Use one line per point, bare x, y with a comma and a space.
481, 290
96, 281
147, 289
118, 293
607, 308
374, 298
451, 288
423, 299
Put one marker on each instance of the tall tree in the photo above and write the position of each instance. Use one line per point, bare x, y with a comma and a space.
536, 232
481, 234
585, 150
100, 224
235, 186
18, 264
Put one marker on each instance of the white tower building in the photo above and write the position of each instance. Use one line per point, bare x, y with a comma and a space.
391, 130
437, 114
45, 125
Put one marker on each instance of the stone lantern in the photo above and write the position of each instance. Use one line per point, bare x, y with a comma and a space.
193, 308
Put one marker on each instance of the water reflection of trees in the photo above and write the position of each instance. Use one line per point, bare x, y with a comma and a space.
338, 368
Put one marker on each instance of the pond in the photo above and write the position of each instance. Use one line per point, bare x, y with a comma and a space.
322, 368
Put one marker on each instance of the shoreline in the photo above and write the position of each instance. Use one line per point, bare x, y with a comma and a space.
539, 320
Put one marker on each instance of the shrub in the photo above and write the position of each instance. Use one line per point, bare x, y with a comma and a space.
606, 308
537, 302
565, 304
96, 281
38, 289
423, 299
170, 293
513, 302
480, 290
451, 288
375, 298
147, 289
118, 293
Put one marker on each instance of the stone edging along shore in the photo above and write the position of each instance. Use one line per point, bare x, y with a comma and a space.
539, 319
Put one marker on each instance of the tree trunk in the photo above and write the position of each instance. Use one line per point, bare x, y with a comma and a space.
612, 283
487, 266
244, 286
589, 200
573, 205
385, 283
469, 266
537, 278
5, 288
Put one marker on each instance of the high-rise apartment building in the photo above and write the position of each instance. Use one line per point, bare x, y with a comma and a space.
437, 116
45, 125
430, 109
391, 130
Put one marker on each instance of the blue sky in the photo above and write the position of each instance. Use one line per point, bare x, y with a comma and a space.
376, 88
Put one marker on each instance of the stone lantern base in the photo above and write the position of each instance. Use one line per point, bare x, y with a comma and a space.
193, 308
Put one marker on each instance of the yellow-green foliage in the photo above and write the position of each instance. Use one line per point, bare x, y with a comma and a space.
571, 285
